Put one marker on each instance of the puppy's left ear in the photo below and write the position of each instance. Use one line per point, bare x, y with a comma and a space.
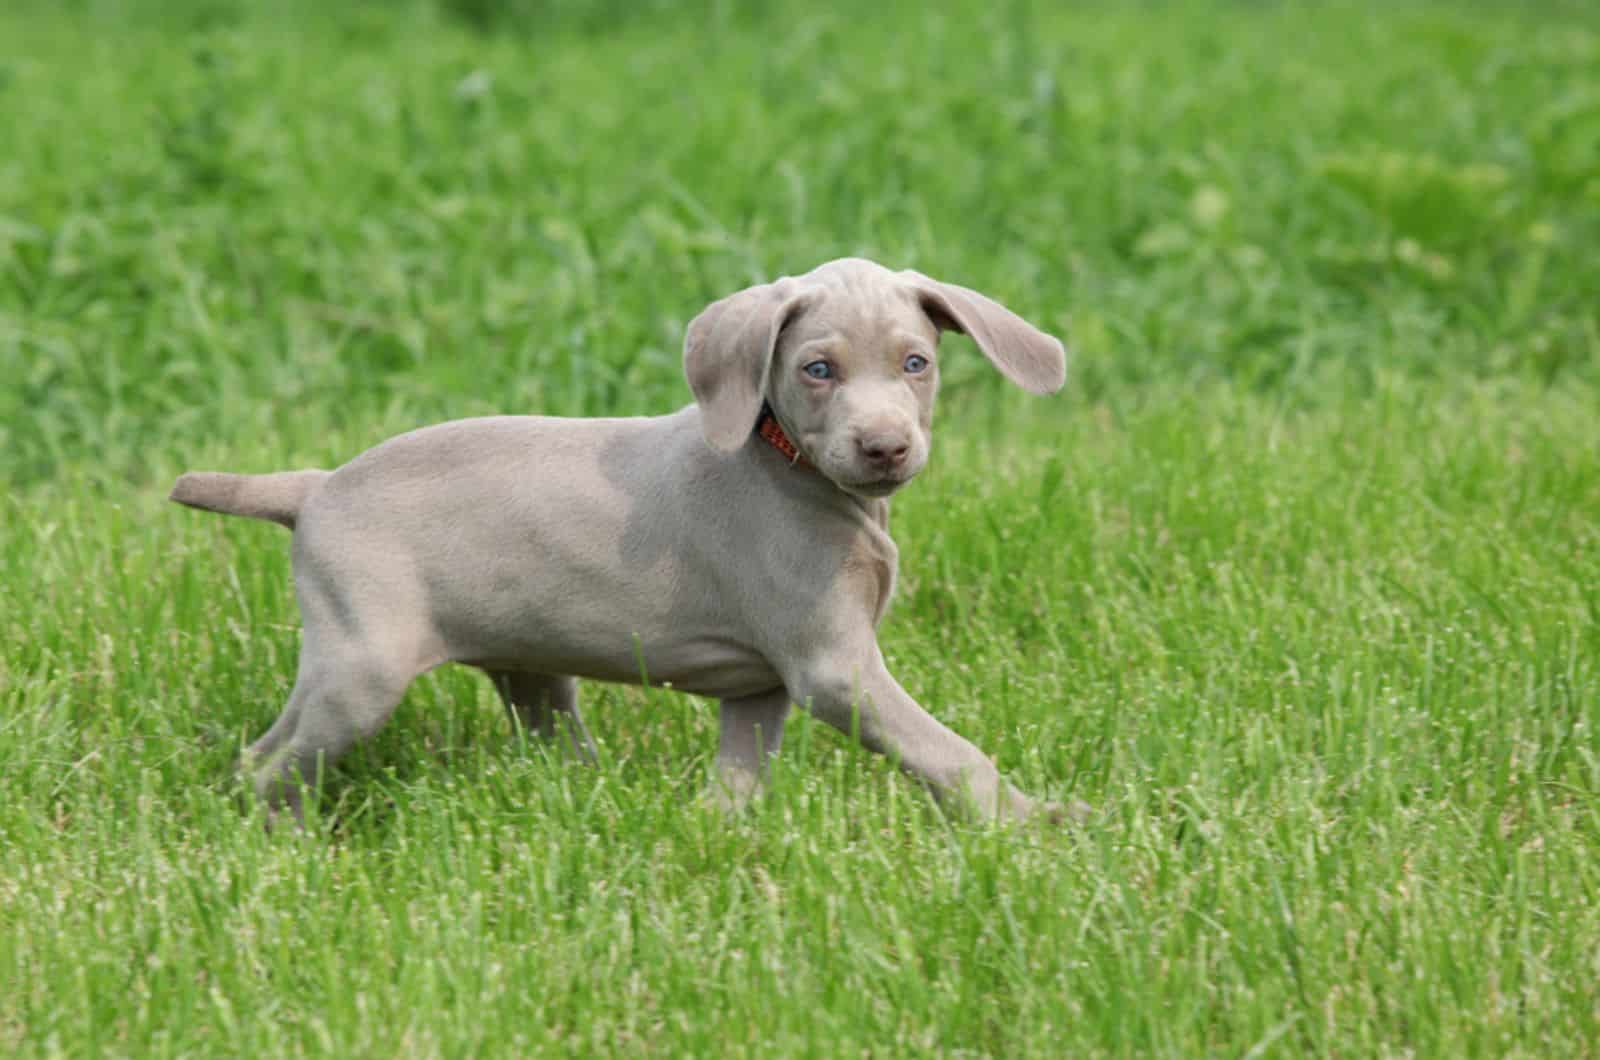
1025, 355
727, 353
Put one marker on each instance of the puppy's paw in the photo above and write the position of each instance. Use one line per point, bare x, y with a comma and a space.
1072, 813
733, 790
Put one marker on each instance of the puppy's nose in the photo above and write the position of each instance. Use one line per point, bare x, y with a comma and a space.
886, 450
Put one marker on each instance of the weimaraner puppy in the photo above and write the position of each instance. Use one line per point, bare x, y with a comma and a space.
738, 548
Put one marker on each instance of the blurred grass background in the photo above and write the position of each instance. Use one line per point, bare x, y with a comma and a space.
212, 216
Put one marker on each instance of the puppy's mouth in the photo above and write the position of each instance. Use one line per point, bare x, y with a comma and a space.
862, 478
876, 488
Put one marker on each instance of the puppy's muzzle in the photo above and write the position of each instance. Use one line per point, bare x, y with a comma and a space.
885, 452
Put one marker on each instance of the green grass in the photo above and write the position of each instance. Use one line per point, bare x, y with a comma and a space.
1298, 582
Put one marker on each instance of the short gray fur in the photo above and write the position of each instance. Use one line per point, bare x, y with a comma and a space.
541, 549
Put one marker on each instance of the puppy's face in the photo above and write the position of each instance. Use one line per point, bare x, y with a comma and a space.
852, 383
847, 355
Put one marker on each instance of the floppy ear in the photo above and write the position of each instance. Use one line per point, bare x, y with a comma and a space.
727, 353
1024, 354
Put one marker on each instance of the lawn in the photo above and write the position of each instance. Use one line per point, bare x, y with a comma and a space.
1297, 582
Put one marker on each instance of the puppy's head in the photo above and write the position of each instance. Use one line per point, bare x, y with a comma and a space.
847, 356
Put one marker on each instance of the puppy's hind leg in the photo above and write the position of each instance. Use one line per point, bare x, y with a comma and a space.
339, 697
544, 704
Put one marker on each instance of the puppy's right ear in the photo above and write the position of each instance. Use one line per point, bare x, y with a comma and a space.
727, 353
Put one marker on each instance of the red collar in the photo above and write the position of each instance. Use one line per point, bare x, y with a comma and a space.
769, 429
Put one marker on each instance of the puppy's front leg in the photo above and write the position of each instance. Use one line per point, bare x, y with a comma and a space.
752, 733
866, 696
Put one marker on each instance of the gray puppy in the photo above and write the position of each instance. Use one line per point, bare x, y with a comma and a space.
738, 548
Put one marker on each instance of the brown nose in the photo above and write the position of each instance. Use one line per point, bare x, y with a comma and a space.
884, 450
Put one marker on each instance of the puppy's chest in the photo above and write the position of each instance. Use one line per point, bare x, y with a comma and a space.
874, 561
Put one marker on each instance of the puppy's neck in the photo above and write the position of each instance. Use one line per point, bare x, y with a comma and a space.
771, 436
769, 430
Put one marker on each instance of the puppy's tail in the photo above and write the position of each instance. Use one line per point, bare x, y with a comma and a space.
278, 496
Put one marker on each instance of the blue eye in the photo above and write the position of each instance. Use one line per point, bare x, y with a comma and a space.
819, 370
916, 363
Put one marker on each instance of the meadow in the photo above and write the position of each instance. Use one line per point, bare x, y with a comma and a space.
1297, 582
